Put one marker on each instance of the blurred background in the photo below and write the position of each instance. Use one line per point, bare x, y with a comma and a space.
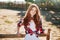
12, 10
44, 4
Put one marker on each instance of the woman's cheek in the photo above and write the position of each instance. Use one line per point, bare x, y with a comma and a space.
34, 13
31, 12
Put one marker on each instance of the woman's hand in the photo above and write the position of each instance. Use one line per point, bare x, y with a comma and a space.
18, 33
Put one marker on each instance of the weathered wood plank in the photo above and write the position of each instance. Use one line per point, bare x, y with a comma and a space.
15, 35
11, 36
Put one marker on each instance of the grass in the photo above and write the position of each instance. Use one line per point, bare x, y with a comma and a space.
8, 22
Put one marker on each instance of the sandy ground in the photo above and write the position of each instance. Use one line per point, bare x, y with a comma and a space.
8, 25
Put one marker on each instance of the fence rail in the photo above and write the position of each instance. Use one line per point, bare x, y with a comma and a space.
23, 35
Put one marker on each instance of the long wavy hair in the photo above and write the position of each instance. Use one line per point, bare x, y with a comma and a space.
27, 17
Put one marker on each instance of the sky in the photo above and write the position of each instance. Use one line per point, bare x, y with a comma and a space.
17, 1
10, 0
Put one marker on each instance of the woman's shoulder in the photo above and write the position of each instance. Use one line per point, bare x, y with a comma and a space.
22, 18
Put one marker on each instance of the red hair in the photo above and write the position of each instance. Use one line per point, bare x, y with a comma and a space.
28, 18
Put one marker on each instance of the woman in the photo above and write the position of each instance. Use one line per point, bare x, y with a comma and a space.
32, 23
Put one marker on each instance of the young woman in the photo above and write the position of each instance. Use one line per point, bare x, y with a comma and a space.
32, 23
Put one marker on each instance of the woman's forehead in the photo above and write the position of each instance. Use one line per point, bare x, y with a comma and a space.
34, 8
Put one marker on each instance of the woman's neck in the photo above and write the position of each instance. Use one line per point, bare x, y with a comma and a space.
32, 16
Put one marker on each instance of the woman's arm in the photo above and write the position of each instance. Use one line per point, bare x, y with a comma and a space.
19, 24
41, 29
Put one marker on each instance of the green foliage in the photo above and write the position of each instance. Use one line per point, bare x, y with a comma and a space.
29, 1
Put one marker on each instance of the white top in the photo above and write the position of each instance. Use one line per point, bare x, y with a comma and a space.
32, 25
33, 36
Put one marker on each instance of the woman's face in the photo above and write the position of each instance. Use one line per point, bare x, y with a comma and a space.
33, 11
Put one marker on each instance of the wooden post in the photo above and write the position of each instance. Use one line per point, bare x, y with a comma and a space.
48, 34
